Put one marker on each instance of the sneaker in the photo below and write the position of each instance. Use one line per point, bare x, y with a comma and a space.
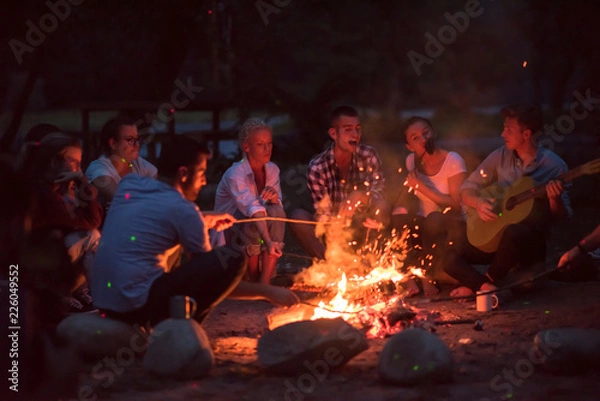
83, 295
595, 254
76, 306
73, 305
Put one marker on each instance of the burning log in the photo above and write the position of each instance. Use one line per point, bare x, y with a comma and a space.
399, 315
363, 287
283, 316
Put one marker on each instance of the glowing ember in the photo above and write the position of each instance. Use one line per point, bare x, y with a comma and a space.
337, 306
362, 286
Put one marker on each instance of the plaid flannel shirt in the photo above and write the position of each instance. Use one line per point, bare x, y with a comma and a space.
324, 179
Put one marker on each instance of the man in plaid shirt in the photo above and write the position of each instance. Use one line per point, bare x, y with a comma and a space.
345, 178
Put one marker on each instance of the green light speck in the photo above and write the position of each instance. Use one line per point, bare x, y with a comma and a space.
109, 284
416, 367
133, 238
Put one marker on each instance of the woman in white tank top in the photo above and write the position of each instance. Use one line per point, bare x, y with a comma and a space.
434, 177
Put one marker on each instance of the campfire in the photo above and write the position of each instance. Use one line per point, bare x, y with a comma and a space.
361, 285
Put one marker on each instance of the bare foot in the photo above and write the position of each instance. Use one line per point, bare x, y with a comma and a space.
461, 292
428, 288
412, 288
501, 295
488, 287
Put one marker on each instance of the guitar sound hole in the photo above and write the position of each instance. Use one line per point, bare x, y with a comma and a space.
510, 203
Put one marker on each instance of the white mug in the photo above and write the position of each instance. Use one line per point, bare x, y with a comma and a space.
486, 302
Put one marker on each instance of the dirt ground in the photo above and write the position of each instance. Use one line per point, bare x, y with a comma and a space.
493, 367
482, 369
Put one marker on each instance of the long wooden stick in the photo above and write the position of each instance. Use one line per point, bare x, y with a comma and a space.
474, 296
283, 219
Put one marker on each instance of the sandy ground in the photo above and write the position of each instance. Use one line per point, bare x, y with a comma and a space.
493, 367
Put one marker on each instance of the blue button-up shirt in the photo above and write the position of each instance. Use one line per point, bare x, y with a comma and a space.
504, 167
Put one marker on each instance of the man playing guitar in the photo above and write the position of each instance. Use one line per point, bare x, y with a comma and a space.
521, 244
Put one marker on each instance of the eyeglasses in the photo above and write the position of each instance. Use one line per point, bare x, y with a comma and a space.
133, 141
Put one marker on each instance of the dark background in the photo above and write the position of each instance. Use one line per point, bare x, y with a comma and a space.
303, 57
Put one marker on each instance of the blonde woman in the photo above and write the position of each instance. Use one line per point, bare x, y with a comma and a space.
249, 189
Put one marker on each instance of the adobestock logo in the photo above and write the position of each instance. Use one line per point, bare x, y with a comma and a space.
108, 369
318, 369
446, 35
579, 110
524, 368
36, 34
180, 98
265, 8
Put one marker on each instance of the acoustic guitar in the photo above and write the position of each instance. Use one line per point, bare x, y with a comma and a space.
513, 205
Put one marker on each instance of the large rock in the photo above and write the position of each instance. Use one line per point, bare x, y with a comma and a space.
179, 348
415, 356
95, 336
315, 347
568, 350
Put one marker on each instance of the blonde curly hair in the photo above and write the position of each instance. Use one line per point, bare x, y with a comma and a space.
251, 126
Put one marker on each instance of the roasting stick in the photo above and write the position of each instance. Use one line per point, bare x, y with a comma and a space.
507, 287
283, 219
267, 218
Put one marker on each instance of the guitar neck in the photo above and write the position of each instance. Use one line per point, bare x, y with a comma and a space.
539, 191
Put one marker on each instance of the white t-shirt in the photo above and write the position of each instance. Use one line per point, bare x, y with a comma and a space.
147, 222
102, 166
453, 165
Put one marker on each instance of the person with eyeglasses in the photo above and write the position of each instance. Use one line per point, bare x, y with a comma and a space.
120, 145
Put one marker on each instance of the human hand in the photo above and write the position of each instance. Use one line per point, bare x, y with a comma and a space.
372, 223
269, 195
281, 296
485, 208
274, 248
219, 222
554, 189
569, 258
412, 182
356, 200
